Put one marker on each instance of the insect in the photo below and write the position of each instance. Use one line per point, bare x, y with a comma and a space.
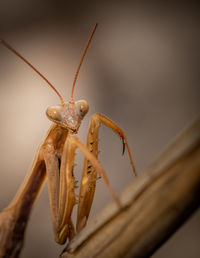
55, 161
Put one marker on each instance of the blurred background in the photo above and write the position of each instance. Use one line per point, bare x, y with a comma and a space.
141, 70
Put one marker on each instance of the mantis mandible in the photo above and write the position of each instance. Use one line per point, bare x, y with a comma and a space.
55, 160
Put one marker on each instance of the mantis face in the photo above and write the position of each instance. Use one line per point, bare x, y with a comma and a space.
69, 115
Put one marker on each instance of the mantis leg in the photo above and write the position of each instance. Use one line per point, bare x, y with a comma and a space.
89, 175
14, 218
60, 177
61, 185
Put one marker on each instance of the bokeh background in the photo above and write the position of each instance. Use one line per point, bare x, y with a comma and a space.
141, 70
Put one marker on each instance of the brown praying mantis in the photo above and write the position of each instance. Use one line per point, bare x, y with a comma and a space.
55, 161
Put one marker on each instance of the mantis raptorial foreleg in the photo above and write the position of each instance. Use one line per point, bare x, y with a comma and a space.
89, 174
61, 188
59, 161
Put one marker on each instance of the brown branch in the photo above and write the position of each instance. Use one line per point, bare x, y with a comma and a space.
154, 206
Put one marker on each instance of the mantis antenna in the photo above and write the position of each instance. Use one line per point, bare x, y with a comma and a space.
43, 77
78, 69
28, 63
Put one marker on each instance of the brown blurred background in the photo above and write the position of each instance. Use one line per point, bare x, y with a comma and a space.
141, 70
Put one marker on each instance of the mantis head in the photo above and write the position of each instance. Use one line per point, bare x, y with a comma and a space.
69, 115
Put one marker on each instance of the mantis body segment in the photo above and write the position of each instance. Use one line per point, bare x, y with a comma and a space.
54, 161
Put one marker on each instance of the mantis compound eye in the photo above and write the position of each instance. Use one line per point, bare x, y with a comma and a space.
83, 107
53, 113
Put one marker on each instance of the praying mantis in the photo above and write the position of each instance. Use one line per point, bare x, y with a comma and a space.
54, 160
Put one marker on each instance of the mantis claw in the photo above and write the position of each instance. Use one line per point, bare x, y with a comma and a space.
124, 146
